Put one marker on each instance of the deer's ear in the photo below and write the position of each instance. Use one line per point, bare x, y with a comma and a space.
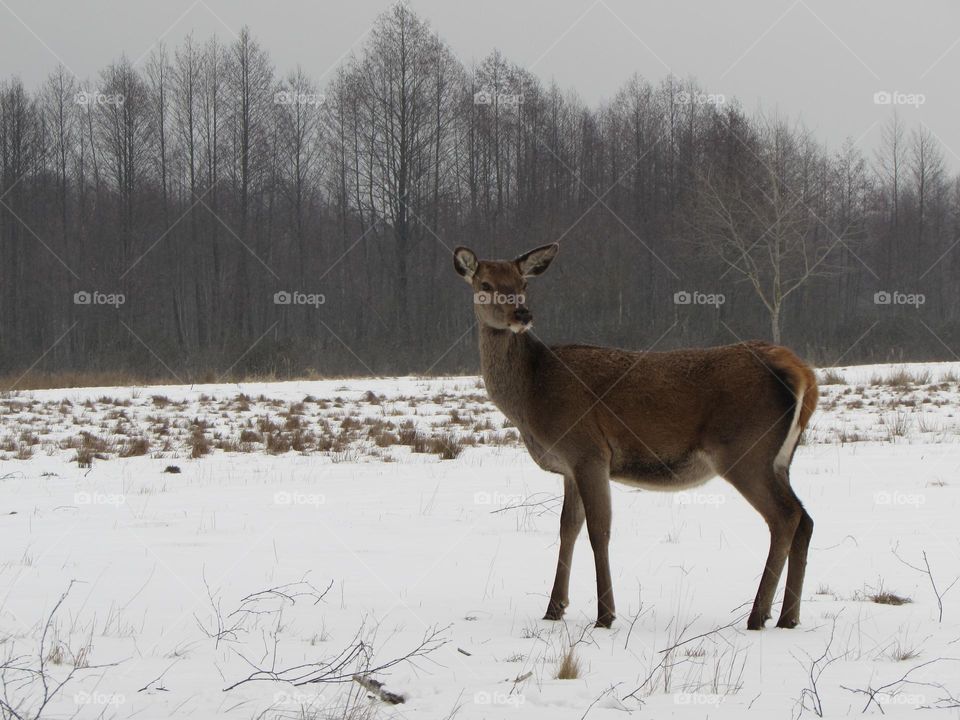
537, 261
465, 263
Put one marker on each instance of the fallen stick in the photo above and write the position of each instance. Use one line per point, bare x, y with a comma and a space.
376, 687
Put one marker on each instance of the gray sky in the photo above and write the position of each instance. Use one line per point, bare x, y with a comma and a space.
818, 59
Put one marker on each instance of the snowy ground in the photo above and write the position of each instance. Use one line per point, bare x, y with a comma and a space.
304, 531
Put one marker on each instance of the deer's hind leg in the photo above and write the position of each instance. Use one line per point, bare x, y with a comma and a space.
571, 522
768, 491
790, 612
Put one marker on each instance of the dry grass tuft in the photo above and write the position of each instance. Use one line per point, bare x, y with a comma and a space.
570, 667
448, 446
278, 443
885, 597
901, 652
199, 443
135, 447
830, 377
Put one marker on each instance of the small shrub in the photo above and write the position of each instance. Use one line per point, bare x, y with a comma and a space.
277, 443
409, 435
448, 446
349, 423
888, 598
199, 444
266, 425
382, 434
884, 597
897, 423
301, 440
84, 457
135, 447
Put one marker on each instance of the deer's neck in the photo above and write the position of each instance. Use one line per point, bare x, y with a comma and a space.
508, 362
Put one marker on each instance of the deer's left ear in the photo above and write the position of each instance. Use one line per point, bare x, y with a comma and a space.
465, 262
537, 261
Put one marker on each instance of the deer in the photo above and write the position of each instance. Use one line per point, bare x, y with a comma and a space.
667, 421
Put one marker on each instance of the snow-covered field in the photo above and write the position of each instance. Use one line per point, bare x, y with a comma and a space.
303, 537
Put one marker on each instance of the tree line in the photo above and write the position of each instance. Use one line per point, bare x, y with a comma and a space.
196, 214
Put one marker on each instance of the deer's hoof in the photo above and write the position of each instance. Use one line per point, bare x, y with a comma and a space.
605, 621
555, 610
757, 620
787, 623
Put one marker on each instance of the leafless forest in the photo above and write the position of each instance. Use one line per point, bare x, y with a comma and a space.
198, 213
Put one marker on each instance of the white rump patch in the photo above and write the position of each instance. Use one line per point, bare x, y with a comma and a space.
782, 460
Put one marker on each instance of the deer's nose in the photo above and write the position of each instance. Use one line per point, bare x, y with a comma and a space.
523, 315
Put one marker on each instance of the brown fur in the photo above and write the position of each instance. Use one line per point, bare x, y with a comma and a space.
656, 420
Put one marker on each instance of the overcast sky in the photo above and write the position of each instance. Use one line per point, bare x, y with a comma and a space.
818, 59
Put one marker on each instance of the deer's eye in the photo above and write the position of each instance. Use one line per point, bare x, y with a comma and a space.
486, 287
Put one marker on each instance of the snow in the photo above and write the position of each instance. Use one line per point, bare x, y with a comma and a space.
401, 544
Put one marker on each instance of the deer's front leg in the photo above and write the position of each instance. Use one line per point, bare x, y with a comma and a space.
571, 521
593, 480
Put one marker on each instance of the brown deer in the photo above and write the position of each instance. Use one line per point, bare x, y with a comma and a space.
654, 420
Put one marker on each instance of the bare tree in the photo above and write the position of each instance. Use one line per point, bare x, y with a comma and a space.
251, 91
299, 109
59, 101
890, 168
123, 113
926, 171
396, 79
761, 220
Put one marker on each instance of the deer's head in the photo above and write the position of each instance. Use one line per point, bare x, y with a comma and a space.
500, 286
